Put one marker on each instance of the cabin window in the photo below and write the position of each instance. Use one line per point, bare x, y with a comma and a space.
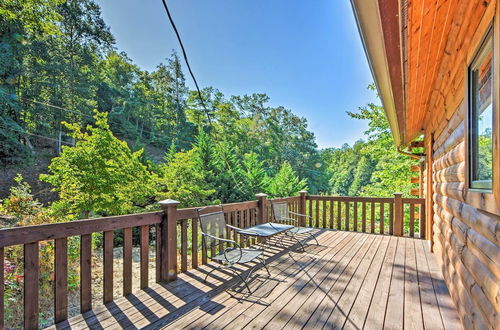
481, 117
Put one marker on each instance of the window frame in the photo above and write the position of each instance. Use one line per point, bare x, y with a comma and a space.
486, 45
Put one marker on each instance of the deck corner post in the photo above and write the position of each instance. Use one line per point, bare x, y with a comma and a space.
262, 207
398, 214
302, 207
169, 240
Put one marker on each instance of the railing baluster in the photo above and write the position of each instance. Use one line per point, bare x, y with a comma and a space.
127, 261
241, 224
372, 218
324, 213
412, 220
184, 245
158, 252
85, 273
203, 252
355, 205
363, 217
144, 251
339, 215
296, 210
2, 287
317, 214
108, 267
31, 276
421, 220
194, 243
310, 219
382, 218
61, 280
331, 214
252, 222
246, 223
347, 215
391, 218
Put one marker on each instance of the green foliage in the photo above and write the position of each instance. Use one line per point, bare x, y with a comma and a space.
255, 177
179, 181
485, 156
373, 167
99, 174
286, 182
24, 210
62, 53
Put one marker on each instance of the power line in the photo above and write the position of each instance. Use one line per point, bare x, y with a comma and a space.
236, 182
37, 135
187, 61
68, 110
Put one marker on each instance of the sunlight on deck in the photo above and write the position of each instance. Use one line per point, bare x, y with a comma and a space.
352, 280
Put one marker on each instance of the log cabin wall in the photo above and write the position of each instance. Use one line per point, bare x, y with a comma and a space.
465, 238
464, 225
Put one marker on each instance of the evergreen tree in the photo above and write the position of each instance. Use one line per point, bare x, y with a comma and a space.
286, 182
100, 174
180, 182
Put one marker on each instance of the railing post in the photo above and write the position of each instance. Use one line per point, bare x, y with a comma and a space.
398, 214
262, 202
302, 207
169, 240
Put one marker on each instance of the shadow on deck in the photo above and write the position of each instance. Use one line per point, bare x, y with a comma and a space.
352, 280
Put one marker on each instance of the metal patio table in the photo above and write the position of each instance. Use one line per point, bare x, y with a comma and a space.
266, 230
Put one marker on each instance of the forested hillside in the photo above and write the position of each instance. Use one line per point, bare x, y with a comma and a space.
120, 138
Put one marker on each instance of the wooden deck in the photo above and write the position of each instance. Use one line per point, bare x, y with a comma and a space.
352, 281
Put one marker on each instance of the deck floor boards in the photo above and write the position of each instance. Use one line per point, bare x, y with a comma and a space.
352, 281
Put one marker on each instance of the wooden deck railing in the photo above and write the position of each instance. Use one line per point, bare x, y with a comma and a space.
394, 216
178, 241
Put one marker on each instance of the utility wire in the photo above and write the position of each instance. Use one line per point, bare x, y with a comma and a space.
91, 117
68, 110
33, 134
174, 27
186, 60
196, 83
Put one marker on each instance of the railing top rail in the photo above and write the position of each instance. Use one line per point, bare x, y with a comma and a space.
284, 199
413, 200
30, 234
351, 198
188, 213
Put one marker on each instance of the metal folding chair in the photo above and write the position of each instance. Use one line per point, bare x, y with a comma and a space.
282, 214
215, 235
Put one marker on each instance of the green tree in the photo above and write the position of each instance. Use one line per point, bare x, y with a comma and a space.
255, 177
22, 24
286, 182
180, 182
100, 174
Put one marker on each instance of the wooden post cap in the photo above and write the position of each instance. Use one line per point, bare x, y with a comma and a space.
259, 195
168, 203
303, 192
398, 194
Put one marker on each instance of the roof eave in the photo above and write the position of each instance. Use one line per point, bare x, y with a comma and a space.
387, 78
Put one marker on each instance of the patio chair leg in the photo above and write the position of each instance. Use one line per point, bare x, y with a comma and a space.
242, 279
210, 272
298, 241
301, 245
263, 262
281, 240
313, 236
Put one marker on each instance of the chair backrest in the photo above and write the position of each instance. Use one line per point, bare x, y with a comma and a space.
213, 224
280, 211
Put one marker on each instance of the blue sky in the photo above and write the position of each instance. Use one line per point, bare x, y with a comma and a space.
306, 55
